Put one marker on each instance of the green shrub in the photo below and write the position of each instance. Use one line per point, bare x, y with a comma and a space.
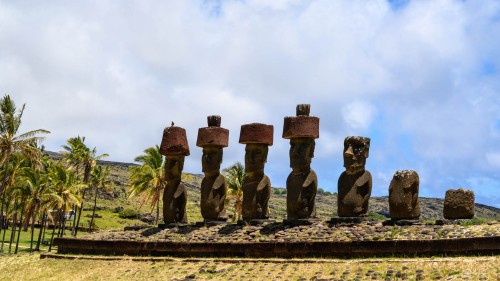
128, 213
377, 216
474, 221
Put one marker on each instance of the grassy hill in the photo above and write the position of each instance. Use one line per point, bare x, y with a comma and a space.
111, 202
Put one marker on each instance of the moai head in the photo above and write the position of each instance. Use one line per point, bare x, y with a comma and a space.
301, 130
459, 204
356, 151
257, 137
403, 195
175, 147
174, 164
212, 139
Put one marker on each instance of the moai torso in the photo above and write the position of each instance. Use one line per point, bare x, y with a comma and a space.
174, 203
352, 194
403, 195
213, 194
256, 193
301, 194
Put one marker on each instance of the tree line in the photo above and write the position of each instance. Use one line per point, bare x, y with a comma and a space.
35, 188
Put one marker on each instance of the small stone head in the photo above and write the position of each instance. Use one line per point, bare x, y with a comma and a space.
356, 150
211, 159
174, 164
255, 157
301, 153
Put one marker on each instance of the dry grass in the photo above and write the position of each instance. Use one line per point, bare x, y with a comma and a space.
31, 267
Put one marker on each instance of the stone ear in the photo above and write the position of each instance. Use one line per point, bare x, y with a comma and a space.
267, 151
367, 151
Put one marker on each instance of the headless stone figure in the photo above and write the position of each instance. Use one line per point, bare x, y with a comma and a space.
256, 186
213, 186
355, 184
175, 194
175, 147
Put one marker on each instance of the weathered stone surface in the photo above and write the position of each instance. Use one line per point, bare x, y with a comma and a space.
301, 125
257, 133
174, 141
355, 184
459, 204
213, 186
403, 195
302, 183
175, 147
175, 193
256, 186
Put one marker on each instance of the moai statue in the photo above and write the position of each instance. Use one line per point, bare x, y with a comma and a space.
302, 183
355, 184
175, 147
403, 195
459, 204
213, 186
257, 186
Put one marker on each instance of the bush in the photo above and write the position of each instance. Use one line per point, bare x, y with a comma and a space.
321, 191
128, 213
377, 216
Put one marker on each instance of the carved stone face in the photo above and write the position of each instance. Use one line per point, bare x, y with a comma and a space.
255, 157
211, 159
301, 153
355, 153
173, 167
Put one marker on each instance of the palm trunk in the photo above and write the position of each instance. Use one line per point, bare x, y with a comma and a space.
20, 227
32, 229
14, 224
73, 230
86, 175
52, 236
157, 211
91, 227
4, 227
61, 221
42, 229
2, 197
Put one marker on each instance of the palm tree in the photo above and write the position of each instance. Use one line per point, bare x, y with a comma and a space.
148, 180
11, 141
98, 180
79, 155
61, 195
235, 175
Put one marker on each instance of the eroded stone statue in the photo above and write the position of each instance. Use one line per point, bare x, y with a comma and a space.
355, 184
302, 183
213, 186
175, 147
459, 204
256, 186
403, 195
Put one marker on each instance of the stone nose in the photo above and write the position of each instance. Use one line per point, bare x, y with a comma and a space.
348, 152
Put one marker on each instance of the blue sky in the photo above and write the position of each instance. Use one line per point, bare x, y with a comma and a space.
420, 78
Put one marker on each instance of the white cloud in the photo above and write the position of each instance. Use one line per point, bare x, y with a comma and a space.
413, 79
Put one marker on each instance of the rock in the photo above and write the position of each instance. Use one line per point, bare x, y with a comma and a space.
459, 204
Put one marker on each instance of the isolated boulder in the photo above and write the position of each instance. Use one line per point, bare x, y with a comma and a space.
458, 204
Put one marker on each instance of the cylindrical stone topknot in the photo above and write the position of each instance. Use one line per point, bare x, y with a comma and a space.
214, 120
303, 109
174, 141
213, 134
